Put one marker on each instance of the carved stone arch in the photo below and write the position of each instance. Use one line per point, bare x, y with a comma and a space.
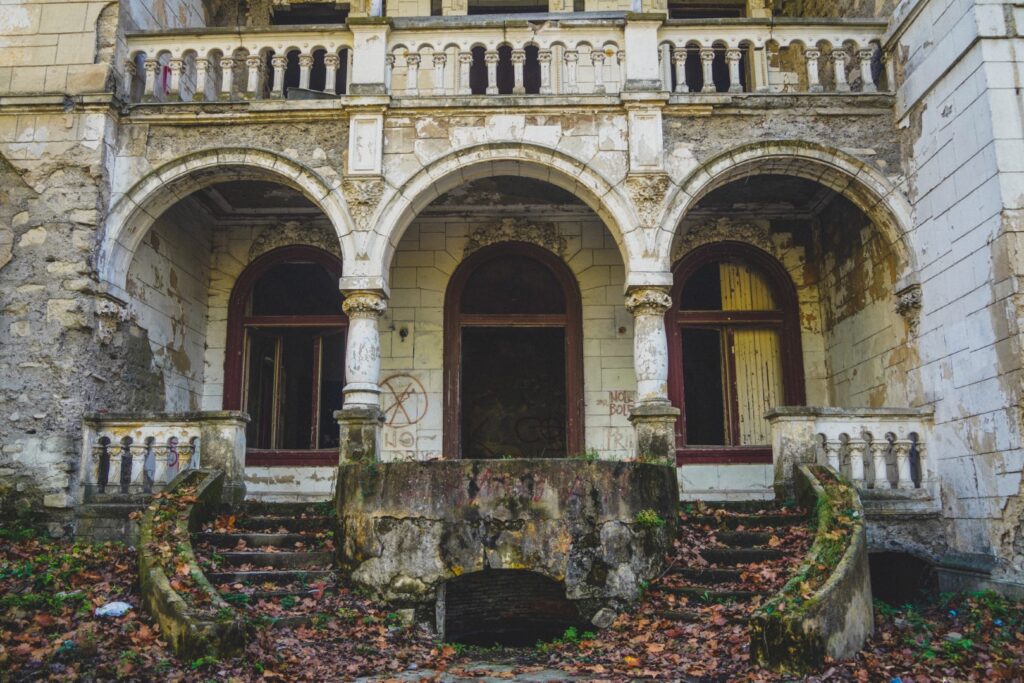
607, 199
866, 187
133, 213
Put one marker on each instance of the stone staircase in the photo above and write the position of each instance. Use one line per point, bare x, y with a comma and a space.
108, 517
730, 556
274, 561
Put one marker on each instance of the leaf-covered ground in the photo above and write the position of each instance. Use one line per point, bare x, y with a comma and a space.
48, 631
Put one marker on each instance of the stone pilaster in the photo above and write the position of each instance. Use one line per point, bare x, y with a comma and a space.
653, 417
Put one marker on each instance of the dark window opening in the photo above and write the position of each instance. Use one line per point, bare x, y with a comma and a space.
703, 383
720, 71
901, 578
513, 392
483, 7
478, 71
510, 607
312, 13
296, 289
513, 284
531, 70
703, 290
706, 10
505, 76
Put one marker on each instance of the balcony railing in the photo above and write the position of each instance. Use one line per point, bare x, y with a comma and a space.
530, 55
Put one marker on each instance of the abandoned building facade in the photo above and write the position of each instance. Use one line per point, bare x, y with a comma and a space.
732, 235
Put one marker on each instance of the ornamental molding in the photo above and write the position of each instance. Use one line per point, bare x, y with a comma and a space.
362, 195
648, 301
291, 233
543, 234
364, 305
908, 305
648, 192
721, 230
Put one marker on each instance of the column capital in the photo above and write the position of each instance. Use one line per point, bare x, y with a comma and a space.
648, 301
812, 53
332, 60
364, 304
465, 58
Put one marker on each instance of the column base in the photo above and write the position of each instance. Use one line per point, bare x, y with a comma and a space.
359, 438
655, 425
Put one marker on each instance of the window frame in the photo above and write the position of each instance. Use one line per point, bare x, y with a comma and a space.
785, 318
239, 321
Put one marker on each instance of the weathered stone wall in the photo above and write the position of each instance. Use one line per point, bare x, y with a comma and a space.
834, 8
961, 110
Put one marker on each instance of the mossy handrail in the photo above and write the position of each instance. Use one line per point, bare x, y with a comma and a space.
194, 619
825, 609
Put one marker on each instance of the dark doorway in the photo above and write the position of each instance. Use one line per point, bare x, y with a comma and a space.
513, 362
901, 578
510, 607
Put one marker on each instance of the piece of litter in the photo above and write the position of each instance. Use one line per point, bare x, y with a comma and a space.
113, 609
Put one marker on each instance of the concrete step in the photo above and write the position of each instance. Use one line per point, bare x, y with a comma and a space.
109, 510
282, 560
271, 594
708, 577
253, 540
279, 576
745, 520
734, 556
292, 524
709, 595
743, 539
692, 616
252, 508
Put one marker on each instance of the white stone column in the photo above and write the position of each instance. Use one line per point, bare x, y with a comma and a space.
839, 70
813, 82
571, 58
491, 60
831, 448
129, 79
279, 64
679, 55
518, 59
465, 62
732, 58
151, 66
707, 56
650, 343
439, 61
305, 68
389, 72
878, 449
227, 77
544, 57
856, 455
255, 65
866, 78
176, 66
202, 71
901, 447
362, 351
331, 64
412, 75
597, 58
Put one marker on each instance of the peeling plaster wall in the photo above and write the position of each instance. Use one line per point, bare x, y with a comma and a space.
960, 106
834, 8
169, 283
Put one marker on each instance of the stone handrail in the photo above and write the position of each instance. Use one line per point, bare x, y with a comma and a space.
596, 54
825, 610
879, 449
140, 453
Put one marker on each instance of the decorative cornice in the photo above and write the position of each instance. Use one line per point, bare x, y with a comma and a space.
721, 230
364, 305
908, 305
294, 232
648, 301
648, 192
543, 234
362, 195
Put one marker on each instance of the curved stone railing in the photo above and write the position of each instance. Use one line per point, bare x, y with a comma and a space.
825, 609
194, 620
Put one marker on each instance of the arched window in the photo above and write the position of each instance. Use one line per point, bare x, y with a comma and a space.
734, 352
513, 358
285, 358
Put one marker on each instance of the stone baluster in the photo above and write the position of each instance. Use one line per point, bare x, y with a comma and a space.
707, 57
360, 419
652, 416
597, 58
856, 455
305, 69
620, 62
151, 66
839, 70
129, 79
173, 458
194, 460
279, 64
904, 478
544, 57
813, 82
332, 63
491, 60
389, 72
866, 78
254, 86
440, 59
518, 59
126, 464
831, 448
349, 52
665, 66
103, 467
732, 58
227, 77
202, 74
465, 63
175, 66
572, 58
149, 466
412, 75
878, 449
679, 55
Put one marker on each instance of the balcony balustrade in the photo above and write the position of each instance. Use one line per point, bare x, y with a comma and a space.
546, 56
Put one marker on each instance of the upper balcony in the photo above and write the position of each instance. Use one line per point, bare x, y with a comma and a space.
535, 59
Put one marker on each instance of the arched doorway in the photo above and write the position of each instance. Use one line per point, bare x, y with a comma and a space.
513, 356
734, 351
285, 356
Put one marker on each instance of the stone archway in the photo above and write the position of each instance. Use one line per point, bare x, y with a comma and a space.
134, 212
